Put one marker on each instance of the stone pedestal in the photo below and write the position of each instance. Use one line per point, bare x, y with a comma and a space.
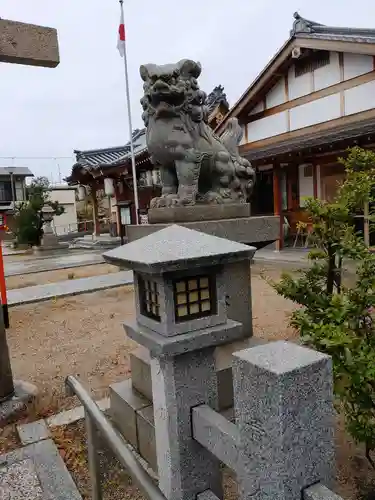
256, 231
24, 393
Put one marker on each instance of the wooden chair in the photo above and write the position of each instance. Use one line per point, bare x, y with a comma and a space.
304, 230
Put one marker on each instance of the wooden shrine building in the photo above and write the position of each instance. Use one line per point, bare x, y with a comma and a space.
312, 101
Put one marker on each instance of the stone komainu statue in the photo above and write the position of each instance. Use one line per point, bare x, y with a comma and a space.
196, 166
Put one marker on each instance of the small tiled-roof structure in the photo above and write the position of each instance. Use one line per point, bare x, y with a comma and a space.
95, 161
305, 34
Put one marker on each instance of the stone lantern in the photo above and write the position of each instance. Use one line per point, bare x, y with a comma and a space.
179, 286
49, 239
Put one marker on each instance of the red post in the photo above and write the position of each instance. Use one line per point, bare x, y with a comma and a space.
277, 205
3, 288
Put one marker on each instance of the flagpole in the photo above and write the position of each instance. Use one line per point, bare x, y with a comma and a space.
134, 172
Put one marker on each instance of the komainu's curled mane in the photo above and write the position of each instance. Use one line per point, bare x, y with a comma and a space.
196, 166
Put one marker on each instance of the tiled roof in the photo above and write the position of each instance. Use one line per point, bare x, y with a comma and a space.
21, 171
310, 29
94, 157
216, 97
139, 145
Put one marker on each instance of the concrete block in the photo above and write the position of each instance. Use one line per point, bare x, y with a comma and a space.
217, 434
319, 492
33, 432
146, 436
284, 413
124, 403
22, 43
141, 372
250, 230
199, 212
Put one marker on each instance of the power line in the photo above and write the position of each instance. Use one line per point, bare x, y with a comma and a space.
36, 157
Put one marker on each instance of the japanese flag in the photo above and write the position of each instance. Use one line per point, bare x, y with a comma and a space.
121, 36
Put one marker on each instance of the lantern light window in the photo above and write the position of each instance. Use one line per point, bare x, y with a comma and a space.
195, 297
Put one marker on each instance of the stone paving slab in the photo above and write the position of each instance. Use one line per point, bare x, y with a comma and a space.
33, 432
36, 472
39, 265
66, 288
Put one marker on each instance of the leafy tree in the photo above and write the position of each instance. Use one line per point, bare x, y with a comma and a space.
28, 219
338, 319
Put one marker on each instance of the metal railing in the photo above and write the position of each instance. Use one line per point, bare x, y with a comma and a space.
96, 421
79, 226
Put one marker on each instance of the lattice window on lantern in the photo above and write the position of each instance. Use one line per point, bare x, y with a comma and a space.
194, 297
149, 299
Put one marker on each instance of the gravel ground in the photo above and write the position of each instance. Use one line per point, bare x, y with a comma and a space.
32, 279
84, 336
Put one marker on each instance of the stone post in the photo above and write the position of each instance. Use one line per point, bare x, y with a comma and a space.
179, 383
284, 413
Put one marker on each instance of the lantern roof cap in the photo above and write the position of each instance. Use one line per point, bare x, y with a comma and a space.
177, 248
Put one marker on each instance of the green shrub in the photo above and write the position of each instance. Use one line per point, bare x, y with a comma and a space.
338, 319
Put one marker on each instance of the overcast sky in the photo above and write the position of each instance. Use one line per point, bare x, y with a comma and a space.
81, 103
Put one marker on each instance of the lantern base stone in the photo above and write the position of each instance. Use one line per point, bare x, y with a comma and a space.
24, 393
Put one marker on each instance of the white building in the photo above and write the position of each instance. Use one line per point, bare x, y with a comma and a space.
66, 196
313, 100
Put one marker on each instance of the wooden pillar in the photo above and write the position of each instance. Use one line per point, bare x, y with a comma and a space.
277, 205
315, 180
95, 212
366, 224
118, 213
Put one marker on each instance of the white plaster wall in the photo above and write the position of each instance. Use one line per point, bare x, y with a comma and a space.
63, 195
276, 95
360, 98
67, 221
321, 110
327, 75
243, 140
357, 64
302, 85
258, 108
267, 127
306, 185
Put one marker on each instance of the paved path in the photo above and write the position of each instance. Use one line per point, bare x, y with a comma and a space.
38, 265
36, 472
290, 255
40, 293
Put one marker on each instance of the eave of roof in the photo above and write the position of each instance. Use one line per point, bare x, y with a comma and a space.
351, 131
303, 30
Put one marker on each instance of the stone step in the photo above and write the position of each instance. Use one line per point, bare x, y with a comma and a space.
133, 415
141, 372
